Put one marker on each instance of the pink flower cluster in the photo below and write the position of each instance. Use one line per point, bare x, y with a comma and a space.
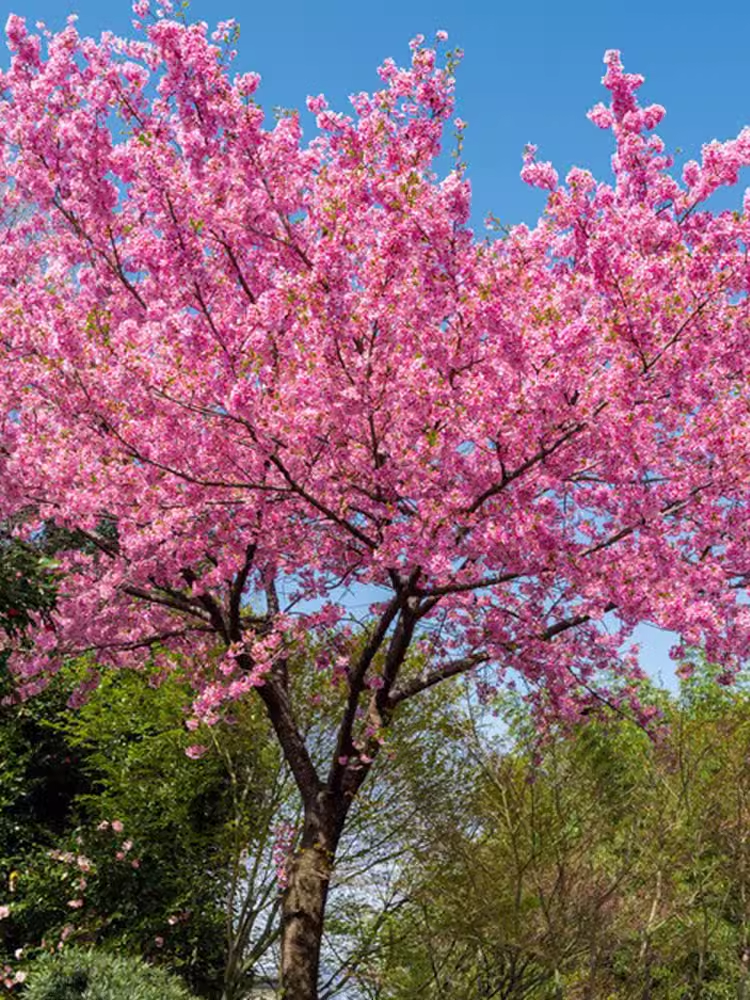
254, 373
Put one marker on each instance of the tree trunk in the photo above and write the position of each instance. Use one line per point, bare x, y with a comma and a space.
304, 902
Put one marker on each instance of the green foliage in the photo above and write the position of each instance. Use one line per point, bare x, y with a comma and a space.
40, 778
605, 863
40, 775
89, 975
145, 850
27, 584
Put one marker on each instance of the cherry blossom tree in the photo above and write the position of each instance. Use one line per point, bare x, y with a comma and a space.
261, 381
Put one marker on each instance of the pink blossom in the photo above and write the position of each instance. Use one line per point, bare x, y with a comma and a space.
601, 116
256, 370
542, 175
317, 105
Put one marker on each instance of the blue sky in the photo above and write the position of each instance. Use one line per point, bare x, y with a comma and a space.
531, 71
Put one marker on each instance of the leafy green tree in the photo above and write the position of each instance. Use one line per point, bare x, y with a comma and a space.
155, 854
604, 863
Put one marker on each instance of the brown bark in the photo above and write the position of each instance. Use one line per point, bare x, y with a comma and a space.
304, 902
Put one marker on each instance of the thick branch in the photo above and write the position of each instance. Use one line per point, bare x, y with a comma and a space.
447, 670
466, 663
462, 588
568, 623
276, 701
237, 269
669, 508
109, 548
356, 685
397, 650
174, 601
235, 596
148, 641
508, 477
212, 606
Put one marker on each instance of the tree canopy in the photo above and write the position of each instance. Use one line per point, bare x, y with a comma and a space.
255, 374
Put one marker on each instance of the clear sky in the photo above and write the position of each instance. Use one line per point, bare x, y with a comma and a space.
531, 71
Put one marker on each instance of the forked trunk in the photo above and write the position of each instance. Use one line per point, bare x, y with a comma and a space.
303, 908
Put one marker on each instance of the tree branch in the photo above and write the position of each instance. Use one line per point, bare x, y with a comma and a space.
508, 477
235, 596
356, 686
212, 606
450, 669
321, 507
292, 743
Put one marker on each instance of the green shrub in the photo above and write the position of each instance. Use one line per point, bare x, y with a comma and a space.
89, 975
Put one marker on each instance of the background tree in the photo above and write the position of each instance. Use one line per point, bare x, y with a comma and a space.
525, 897
602, 863
252, 373
163, 856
